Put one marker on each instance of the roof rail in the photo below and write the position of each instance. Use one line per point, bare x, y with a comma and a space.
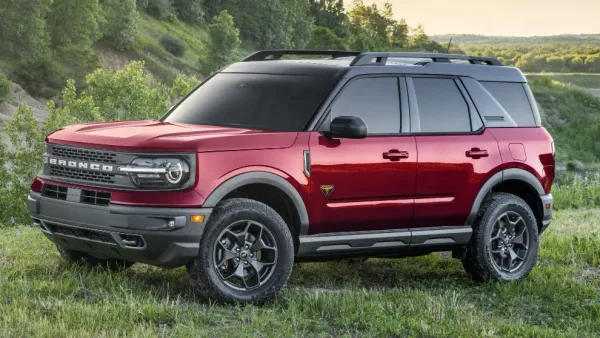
366, 59
276, 54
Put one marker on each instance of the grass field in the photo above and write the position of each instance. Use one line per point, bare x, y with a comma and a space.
428, 296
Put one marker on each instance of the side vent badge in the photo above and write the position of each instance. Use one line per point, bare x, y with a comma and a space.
327, 189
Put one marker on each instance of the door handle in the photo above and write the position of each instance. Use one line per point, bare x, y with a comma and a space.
476, 153
395, 155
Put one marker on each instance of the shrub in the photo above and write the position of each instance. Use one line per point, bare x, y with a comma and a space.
173, 45
40, 75
5, 88
142, 5
190, 11
161, 9
324, 38
120, 26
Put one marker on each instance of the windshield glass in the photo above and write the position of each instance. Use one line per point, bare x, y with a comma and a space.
254, 101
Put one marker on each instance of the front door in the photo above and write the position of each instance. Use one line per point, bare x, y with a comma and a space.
364, 184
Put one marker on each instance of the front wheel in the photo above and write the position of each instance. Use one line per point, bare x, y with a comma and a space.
246, 253
504, 245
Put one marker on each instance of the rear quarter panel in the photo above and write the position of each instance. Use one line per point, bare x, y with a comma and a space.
529, 149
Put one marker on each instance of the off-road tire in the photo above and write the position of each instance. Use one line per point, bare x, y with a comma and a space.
83, 259
202, 270
478, 261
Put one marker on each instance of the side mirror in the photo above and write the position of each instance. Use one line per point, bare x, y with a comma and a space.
346, 127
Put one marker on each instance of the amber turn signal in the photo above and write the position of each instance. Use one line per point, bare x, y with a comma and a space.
197, 218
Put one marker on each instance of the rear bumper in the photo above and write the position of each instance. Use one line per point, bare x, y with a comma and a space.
137, 234
547, 204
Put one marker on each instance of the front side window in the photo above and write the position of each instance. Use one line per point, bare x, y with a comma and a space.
277, 103
375, 100
442, 108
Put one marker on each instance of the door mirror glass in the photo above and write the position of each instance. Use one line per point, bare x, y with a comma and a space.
346, 127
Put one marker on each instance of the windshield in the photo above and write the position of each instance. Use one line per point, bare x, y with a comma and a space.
254, 101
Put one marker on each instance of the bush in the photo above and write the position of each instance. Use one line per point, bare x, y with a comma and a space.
5, 88
161, 9
172, 44
190, 11
40, 75
142, 5
324, 38
120, 26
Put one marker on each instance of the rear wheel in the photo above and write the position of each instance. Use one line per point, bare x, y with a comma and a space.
82, 258
504, 245
246, 253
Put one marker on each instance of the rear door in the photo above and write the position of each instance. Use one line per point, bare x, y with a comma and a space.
456, 153
364, 184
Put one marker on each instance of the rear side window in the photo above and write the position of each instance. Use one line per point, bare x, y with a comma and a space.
514, 100
442, 108
255, 101
375, 100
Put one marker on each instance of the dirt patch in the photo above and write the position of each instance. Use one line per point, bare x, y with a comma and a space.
20, 96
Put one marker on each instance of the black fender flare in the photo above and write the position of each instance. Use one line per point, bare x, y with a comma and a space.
504, 175
261, 177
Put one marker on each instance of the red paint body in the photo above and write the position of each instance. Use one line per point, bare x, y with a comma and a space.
435, 185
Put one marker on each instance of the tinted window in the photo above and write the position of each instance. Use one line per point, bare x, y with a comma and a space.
442, 108
375, 100
514, 100
254, 101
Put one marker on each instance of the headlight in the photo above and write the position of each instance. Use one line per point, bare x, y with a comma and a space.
158, 173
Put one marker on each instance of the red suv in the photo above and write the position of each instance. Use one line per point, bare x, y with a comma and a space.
273, 160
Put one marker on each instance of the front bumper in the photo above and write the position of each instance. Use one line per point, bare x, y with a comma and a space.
137, 234
547, 204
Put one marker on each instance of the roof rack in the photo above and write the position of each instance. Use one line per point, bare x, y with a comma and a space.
380, 58
276, 54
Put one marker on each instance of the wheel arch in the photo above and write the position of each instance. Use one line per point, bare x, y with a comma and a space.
500, 182
257, 178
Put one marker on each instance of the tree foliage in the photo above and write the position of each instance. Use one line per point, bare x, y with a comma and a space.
161, 9
223, 43
330, 14
5, 88
74, 22
324, 38
190, 11
120, 24
173, 45
23, 29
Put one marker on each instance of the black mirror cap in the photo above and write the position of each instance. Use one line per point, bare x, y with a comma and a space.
346, 127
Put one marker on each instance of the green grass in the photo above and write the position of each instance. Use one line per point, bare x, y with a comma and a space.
571, 116
585, 80
428, 296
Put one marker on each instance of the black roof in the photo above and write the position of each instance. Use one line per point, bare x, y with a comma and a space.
350, 64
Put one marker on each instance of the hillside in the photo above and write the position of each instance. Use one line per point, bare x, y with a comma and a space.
473, 39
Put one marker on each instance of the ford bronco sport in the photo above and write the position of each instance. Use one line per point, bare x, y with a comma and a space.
274, 160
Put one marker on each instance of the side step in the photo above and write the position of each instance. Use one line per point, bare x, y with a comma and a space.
384, 240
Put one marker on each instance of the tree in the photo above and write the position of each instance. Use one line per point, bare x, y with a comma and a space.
23, 28
190, 11
324, 38
5, 88
223, 43
399, 34
300, 22
74, 22
120, 24
368, 22
330, 14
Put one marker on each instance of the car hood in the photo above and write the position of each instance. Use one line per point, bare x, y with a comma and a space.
155, 136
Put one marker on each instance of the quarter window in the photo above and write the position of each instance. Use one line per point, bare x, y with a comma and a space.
375, 100
442, 107
514, 100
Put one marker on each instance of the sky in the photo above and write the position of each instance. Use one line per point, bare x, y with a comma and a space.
504, 17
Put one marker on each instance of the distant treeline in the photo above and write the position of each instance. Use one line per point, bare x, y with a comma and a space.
543, 58
473, 39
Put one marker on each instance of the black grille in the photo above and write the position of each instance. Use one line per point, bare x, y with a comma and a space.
95, 197
79, 233
55, 191
81, 174
83, 154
